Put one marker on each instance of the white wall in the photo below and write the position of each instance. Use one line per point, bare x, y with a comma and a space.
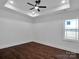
49, 30
14, 28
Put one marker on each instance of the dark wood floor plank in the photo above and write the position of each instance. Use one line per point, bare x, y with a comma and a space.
34, 50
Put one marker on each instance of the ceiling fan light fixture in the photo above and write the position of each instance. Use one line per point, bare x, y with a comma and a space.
36, 7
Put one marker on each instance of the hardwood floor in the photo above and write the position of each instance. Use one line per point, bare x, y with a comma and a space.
35, 50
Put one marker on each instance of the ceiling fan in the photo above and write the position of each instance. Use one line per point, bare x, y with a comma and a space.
36, 6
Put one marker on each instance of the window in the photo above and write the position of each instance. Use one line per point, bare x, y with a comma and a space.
71, 29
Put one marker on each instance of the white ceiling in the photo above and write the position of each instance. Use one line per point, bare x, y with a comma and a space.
52, 5
22, 4
23, 7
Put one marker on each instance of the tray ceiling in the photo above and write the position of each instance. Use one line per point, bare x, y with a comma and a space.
22, 6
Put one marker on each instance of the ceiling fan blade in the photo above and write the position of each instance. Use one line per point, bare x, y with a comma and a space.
30, 4
37, 1
38, 10
42, 6
31, 8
